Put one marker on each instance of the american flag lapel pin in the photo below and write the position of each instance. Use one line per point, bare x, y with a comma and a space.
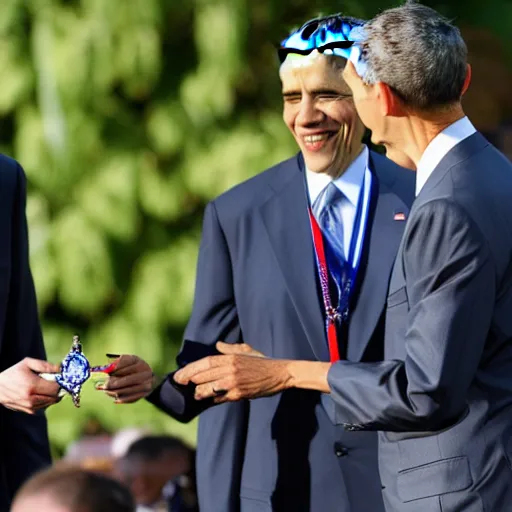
399, 216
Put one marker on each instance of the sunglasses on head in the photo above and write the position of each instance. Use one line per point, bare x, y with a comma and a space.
284, 51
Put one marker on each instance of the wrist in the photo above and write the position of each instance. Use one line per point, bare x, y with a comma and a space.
308, 375
293, 374
156, 380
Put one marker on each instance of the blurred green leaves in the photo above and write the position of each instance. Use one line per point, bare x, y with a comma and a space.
128, 116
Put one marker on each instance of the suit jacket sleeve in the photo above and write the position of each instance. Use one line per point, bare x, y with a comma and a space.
450, 284
222, 428
25, 447
214, 318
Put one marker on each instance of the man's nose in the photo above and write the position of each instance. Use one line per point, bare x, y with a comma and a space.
309, 113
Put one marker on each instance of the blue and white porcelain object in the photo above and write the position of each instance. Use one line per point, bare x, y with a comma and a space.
74, 371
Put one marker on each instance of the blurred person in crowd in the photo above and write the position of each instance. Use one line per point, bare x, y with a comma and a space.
23, 394
71, 489
159, 472
93, 449
124, 438
286, 259
442, 398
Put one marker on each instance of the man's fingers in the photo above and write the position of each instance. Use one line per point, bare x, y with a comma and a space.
125, 361
207, 390
211, 375
237, 348
44, 388
123, 371
36, 402
38, 366
214, 388
230, 396
119, 383
232, 348
186, 374
130, 391
130, 399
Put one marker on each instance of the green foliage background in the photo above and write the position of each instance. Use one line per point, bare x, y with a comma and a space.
128, 116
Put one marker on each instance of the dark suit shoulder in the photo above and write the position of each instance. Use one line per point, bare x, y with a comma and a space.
255, 191
6, 162
9, 167
12, 183
478, 178
400, 180
478, 181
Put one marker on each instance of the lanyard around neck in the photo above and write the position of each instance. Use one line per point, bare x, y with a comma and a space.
340, 314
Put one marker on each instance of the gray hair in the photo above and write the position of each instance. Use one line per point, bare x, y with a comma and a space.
418, 53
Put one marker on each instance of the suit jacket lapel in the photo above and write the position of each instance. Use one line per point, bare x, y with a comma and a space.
382, 239
285, 216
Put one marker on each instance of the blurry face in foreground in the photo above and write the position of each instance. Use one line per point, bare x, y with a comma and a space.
319, 112
38, 503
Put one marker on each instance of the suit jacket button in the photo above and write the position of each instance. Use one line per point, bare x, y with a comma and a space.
340, 450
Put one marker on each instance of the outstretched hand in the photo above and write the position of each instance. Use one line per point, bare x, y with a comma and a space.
21, 388
131, 380
241, 372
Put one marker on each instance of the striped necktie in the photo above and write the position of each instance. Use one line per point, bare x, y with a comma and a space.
327, 211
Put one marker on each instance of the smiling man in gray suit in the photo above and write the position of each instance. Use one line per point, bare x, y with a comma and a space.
442, 398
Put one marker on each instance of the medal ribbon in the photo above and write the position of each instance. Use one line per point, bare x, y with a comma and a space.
341, 313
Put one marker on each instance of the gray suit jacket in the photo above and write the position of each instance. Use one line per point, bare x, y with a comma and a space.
442, 398
257, 282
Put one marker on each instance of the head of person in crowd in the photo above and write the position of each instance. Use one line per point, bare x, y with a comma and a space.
70, 489
318, 108
153, 468
408, 75
92, 450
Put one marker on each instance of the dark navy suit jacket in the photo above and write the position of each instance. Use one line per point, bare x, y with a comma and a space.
257, 283
24, 444
443, 396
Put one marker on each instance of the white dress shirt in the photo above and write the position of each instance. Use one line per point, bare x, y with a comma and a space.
350, 184
439, 147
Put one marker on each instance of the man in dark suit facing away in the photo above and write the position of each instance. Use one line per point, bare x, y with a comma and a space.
442, 396
24, 448
258, 282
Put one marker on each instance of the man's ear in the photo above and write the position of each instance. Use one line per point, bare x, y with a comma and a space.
389, 102
467, 80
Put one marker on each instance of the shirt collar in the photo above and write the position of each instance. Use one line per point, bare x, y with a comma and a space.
349, 183
439, 147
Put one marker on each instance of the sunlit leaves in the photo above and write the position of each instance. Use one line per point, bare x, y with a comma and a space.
44, 268
16, 83
162, 191
168, 128
164, 285
11, 14
208, 92
85, 267
108, 196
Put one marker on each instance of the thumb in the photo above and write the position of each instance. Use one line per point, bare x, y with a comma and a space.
38, 366
237, 348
